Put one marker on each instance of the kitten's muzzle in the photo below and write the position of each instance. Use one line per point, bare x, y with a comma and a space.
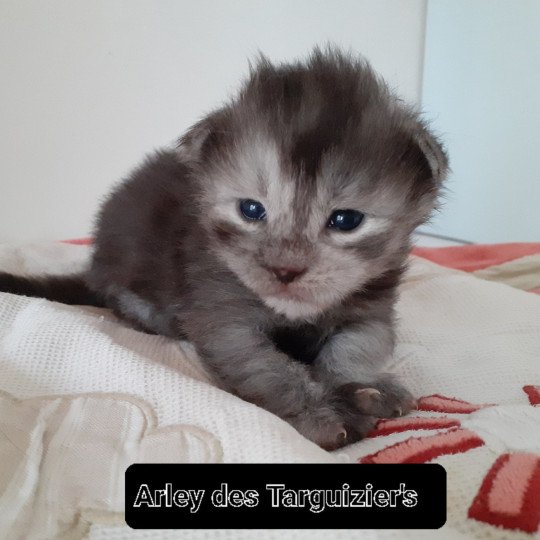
285, 274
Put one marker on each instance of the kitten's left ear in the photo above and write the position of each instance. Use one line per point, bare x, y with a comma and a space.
434, 153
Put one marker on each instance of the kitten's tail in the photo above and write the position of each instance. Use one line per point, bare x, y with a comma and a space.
71, 289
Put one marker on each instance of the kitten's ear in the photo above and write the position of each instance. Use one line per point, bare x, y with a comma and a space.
190, 145
202, 140
434, 153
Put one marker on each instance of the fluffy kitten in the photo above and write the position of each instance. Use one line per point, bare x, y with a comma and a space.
273, 238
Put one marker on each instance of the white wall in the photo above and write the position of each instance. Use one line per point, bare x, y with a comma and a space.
482, 88
87, 88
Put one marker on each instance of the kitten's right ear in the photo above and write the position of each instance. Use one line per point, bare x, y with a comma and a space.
203, 139
190, 145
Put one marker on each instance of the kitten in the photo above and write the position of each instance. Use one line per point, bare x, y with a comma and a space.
274, 238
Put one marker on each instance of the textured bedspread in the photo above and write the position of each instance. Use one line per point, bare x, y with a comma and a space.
82, 396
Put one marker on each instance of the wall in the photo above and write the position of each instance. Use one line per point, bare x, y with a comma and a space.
482, 88
89, 87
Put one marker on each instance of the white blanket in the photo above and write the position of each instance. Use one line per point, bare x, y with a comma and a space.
83, 396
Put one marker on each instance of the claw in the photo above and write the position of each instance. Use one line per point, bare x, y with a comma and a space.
368, 392
334, 439
365, 397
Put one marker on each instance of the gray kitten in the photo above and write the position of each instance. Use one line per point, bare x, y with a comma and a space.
273, 238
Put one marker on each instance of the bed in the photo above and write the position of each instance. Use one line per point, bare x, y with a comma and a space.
82, 396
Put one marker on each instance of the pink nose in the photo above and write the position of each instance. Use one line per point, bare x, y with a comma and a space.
287, 275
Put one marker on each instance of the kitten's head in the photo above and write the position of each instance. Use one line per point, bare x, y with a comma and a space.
313, 180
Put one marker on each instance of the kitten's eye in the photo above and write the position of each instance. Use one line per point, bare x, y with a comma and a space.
252, 210
345, 220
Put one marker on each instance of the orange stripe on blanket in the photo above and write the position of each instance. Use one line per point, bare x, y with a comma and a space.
478, 256
508, 496
438, 403
422, 449
398, 425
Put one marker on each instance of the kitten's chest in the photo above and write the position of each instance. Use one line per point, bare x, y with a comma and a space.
302, 342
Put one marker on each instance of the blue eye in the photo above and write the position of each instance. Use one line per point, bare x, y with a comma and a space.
345, 220
252, 210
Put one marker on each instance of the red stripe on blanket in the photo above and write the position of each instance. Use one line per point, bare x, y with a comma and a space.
476, 257
533, 393
508, 496
422, 449
78, 241
398, 425
438, 403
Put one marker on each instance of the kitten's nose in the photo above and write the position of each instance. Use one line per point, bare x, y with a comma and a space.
286, 275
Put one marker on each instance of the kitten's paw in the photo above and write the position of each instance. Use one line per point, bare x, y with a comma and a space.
322, 426
385, 399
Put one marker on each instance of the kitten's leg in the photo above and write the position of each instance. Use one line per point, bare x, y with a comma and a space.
247, 363
351, 362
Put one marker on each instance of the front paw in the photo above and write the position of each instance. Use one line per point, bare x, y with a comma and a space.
384, 399
322, 426
330, 429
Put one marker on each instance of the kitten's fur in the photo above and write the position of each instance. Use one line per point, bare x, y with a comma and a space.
174, 256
